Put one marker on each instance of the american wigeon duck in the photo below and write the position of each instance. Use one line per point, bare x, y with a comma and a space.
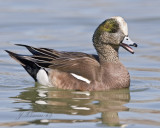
81, 71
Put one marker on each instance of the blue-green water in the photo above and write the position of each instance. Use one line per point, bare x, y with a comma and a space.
68, 25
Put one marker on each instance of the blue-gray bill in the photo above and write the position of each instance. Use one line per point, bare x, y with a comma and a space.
126, 43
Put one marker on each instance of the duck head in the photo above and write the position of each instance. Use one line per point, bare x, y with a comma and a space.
113, 32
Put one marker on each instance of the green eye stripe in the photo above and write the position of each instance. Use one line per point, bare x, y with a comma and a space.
109, 25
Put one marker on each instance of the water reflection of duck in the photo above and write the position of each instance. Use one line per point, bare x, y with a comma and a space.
72, 103
81, 71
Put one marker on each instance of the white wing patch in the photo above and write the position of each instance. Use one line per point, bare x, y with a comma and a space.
42, 77
81, 78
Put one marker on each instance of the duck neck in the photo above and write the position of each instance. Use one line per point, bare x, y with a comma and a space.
108, 53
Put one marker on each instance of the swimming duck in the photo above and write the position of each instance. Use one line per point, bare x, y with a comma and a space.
81, 71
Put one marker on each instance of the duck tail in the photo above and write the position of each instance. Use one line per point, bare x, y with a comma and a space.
42, 51
31, 67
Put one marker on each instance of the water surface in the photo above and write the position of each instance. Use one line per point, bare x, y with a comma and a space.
68, 26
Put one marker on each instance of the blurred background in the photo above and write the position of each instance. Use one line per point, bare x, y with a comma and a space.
68, 25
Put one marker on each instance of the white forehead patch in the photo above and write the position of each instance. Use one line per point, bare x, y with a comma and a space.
122, 23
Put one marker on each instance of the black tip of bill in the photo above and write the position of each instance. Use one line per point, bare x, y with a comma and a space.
134, 44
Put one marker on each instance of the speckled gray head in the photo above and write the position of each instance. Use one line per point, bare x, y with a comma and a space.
113, 32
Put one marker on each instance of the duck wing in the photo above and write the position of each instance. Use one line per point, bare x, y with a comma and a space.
82, 64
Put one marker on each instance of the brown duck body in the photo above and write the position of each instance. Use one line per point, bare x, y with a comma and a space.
107, 76
81, 71
70, 70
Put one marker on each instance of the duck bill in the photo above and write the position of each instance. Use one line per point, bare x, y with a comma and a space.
126, 43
